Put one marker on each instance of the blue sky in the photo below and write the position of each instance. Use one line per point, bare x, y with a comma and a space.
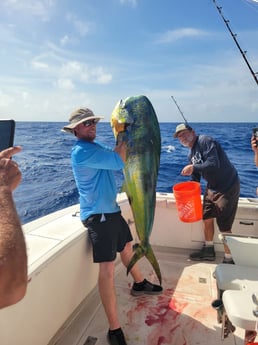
57, 55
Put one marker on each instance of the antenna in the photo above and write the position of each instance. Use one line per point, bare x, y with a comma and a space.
243, 53
180, 111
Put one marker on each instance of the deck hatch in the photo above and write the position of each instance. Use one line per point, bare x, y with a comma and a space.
91, 341
202, 280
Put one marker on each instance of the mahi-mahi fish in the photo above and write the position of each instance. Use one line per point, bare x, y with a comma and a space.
134, 121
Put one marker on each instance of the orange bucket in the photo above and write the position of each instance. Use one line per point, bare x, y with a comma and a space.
188, 201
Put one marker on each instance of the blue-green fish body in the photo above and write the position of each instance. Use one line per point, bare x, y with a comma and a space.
134, 121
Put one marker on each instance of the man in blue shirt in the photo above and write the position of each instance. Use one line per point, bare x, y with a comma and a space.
208, 160
93, 165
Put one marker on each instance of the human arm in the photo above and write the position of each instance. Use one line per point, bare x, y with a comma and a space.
255, 149
13, 256
120, 148
96, 155
206, 156
203, 158
187, 170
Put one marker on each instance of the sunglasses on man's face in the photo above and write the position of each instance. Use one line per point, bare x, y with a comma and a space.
90, 122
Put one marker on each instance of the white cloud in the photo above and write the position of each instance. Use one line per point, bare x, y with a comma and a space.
37, 8
83, 28
71, 68
65, 84
25, 95
5, 101
175, 35
55, 64
104, 78
101, 76
39, 65
132, 3
83, 73
64, 40
67, 40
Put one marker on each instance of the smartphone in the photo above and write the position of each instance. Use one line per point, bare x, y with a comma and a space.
255, 134
7, 128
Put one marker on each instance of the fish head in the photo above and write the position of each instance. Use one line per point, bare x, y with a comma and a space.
120, 118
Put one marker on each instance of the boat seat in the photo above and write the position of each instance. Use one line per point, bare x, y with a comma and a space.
240, 307
237, 284
236, 277
244, 274
244, 250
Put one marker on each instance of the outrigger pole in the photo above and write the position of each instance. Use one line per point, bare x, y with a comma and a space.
180, 111
243, 53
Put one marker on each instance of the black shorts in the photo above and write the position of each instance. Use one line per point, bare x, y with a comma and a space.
109, 234
222, 206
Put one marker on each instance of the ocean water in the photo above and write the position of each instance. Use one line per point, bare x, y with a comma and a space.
48, 183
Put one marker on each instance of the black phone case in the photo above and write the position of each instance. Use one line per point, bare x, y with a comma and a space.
7, 128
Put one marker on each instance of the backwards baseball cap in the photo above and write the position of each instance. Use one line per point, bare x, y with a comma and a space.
78, 116
180, 128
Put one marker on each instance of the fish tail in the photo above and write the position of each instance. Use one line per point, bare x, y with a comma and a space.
138, 254
148, 252
153, 261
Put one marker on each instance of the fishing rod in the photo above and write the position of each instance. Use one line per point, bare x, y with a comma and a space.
180, 111
243, 53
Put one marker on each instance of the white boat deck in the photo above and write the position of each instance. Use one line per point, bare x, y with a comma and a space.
62, 305
182, 315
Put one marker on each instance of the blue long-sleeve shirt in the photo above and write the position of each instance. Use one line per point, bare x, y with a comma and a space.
93, 165
211, 162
